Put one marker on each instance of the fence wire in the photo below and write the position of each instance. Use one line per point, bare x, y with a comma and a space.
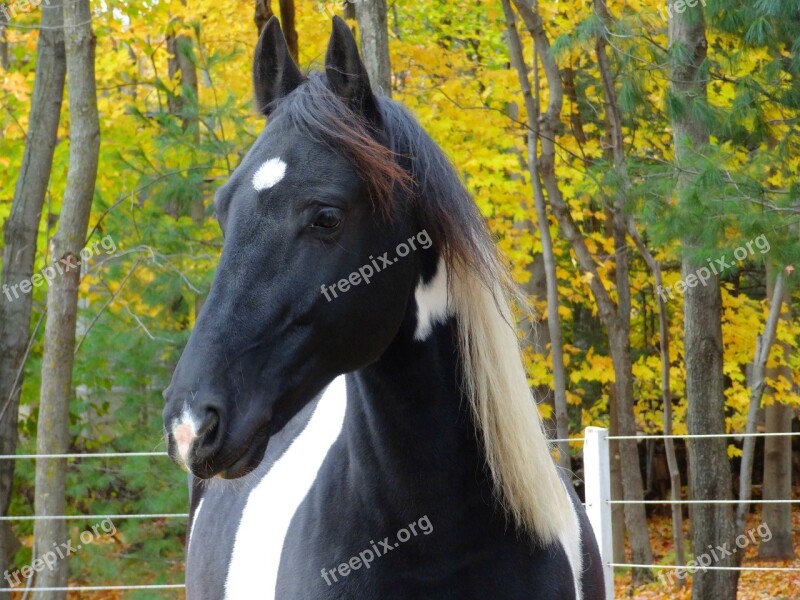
577, 440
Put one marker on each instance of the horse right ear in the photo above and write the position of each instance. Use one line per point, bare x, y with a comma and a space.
347, 74
275, 74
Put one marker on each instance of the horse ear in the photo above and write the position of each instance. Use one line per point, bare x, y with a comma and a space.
274, 72
347, 74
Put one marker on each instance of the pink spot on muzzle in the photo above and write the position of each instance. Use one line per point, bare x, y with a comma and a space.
184, 435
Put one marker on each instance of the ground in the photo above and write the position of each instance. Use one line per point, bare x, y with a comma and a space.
753, 585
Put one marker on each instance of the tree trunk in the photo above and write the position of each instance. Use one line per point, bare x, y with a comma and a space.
666, 397
20, 237
615, 473
778, 466
373, 28
289, 28
532, 103
609, 312
778, 483
185, 106
4, 42
62, 297
184, 103
757, 384
632, 484
710, 473
263, 13
635, 520
535, 334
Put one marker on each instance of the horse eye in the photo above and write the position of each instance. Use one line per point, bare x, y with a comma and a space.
328, 218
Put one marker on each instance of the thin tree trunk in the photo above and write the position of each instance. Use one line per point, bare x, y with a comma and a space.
575, 119
710, 470
19, 246
535, 334
757, 384
62, 297
180, 62
289, 28
666, 397
632, 484
185, 106
548, 257
3, 42
621, 354
617, 490
622, 226
778, 482
373, 28
263, 13
778, 462
184, 103
635, 517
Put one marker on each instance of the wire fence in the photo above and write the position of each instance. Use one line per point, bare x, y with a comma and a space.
596, 459
596, 449
112, 517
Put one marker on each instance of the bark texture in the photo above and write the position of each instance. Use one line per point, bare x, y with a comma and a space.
62, 297
19, 246
778, 464
710, 471
373, 28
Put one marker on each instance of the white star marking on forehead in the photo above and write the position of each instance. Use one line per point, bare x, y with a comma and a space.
269, 174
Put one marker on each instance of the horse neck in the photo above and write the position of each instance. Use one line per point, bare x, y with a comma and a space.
408, 425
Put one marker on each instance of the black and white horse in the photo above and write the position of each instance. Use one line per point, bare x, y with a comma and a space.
352, 403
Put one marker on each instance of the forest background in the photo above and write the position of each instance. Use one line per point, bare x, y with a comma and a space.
657, 239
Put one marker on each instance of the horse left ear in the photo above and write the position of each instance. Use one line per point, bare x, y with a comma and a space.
347, 74
275, 73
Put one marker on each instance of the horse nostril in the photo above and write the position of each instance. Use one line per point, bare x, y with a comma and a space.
209, 435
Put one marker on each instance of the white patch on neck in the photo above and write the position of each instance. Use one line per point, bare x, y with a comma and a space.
269, 174
432, 302
253, 572
571, 542
194, 522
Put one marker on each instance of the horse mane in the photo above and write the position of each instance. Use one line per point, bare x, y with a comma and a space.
409, 173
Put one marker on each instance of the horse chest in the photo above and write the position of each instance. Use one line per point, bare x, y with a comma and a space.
293, 530
247, 557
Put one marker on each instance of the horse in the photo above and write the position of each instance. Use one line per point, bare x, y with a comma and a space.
352, 404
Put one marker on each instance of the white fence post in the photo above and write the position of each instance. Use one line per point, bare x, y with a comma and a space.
597, 477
